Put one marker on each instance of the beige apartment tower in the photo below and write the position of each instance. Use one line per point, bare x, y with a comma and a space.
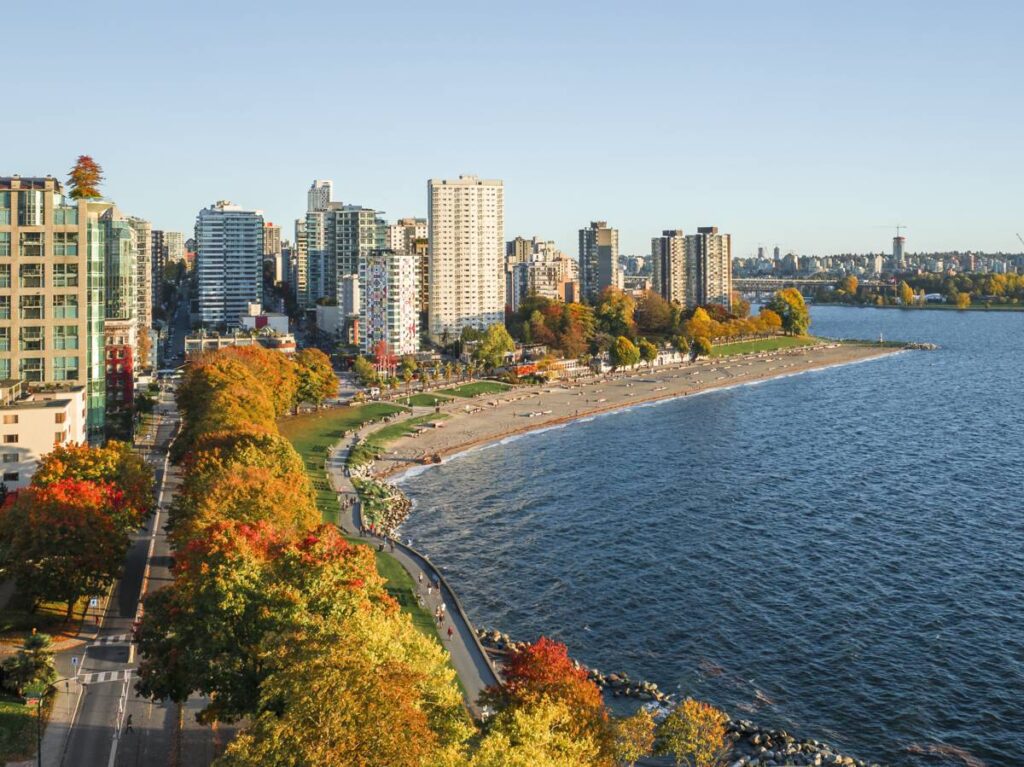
466, 241
711, 253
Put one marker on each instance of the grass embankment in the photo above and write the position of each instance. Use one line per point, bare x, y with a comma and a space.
18, 728
312, 435
371, 447
17, 622
424, 399
476, 388
763, 345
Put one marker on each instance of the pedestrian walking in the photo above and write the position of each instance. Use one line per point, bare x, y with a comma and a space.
430, 589
128, 723
450, 632
421, 577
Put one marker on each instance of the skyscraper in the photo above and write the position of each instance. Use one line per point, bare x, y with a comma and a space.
272, 250
599, 259
124, 298
673, 272
898, 256
466, 231
711, 255
52, 294
229, 262
300, 265
144, 290
389, 297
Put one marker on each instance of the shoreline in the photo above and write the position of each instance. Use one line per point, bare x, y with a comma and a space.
405, 455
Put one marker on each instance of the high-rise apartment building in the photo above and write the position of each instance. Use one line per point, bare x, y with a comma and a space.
229, 262
319, 195
144, 290
389, 297
122, 291
537, 267
174, 244
299, 265
466, 232
403, 234
899, 259
599, 259
272, 251
673, 268
52, 291
711, 255
353, 232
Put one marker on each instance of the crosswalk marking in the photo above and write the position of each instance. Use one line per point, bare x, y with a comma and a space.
114, 639
97, 677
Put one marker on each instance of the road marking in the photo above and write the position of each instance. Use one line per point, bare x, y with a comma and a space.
99, 677
115, 639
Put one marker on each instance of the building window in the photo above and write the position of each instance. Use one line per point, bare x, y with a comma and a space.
60, 417
65, 214
8, 419
31, 307
30, 245
10, 476
65, 243
31, 368
9, 458
5, 275
58, 437
10, 439
65, 368
65, 337
31, 204
5, 243
31, 338
65, 307
5, 209
5, 307
5, 339
31, 276
65, 275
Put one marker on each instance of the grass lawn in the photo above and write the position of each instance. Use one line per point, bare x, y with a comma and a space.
17, 623
763, 345
314, 433
377, 440
18, 729
424, 400
476, 388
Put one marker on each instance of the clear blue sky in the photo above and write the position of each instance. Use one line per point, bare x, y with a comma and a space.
814, 125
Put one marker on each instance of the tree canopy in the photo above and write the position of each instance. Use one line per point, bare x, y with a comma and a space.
495, 345
789, 305
623, 353
84, 178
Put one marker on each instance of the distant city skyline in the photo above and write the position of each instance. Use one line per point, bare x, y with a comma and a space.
818, 130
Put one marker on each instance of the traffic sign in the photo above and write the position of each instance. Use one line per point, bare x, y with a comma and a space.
74, 660
94, 602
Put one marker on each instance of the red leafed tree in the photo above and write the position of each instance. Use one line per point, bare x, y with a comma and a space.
62, 542
85, 178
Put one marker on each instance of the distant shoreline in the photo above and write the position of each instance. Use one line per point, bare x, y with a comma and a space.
928, 307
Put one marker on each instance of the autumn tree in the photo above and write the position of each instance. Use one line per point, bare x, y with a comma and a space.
495, 345
539, 733
614, 313
694, 733
698, 324
364, 371
623, 353
771, 321
84, 178
648, 351
701, 347
789, 305
115, 464
906, 294
274, 370
653, 314
63, 541
316, 378
634, 736
963, 300
738, 305
145, 349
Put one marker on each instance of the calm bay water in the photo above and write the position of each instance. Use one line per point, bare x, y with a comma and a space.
839, 553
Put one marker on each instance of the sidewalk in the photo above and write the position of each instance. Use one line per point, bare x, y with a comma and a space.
467, 654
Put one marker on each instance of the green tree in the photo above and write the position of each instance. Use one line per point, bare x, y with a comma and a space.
32, 664
84, 178
680, 344
316, 379
365, 372
701, 347
495, 345
623, 353
694, 733
648, 351
789, 305
653, 314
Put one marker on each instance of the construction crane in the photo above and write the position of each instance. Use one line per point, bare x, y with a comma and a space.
1020, 238
898, 228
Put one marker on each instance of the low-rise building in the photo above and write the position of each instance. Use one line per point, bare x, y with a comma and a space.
196, 346
257, 319
31, 424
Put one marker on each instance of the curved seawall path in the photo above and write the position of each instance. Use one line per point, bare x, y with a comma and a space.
836, 554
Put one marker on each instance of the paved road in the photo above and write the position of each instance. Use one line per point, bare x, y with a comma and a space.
468, 658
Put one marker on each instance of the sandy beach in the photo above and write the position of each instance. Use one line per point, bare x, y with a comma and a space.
487, 418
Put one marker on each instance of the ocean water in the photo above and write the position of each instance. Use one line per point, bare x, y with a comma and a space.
840, 553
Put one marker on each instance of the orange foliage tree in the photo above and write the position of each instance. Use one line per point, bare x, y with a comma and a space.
63, 541
84, 178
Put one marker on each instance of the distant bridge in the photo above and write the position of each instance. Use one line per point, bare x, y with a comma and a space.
804, 284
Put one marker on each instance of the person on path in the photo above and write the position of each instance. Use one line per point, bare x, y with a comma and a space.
128, 724
450, 632
421, 577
